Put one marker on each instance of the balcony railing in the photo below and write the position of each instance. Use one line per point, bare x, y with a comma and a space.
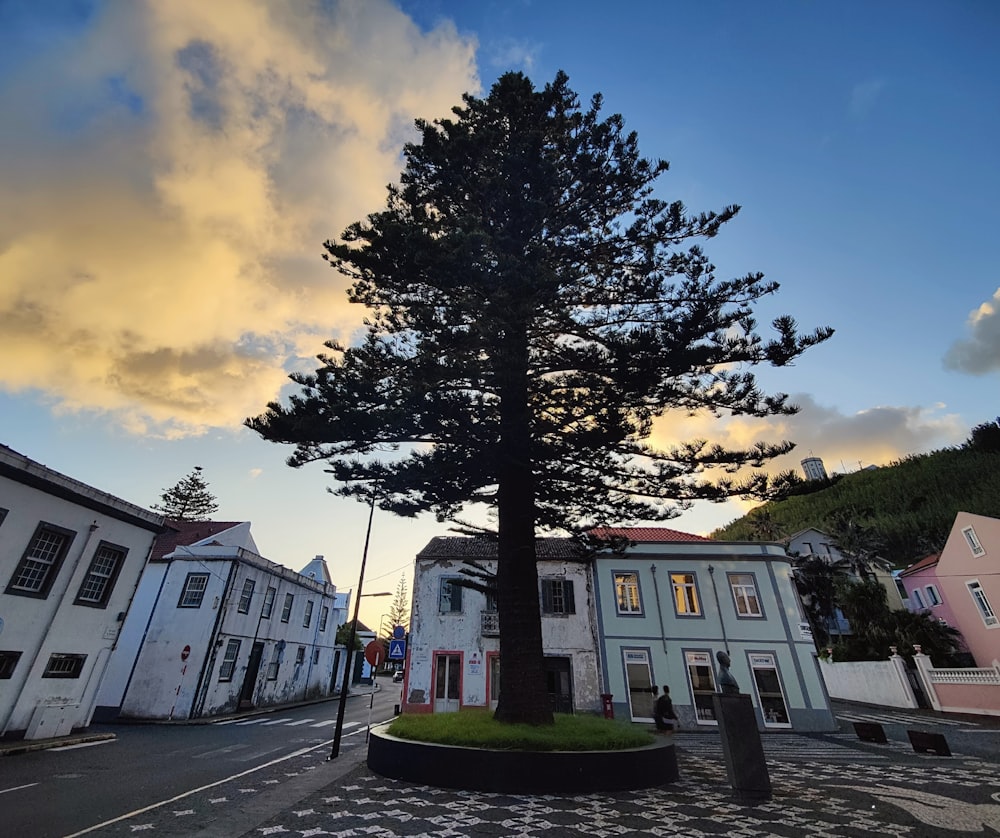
490, 624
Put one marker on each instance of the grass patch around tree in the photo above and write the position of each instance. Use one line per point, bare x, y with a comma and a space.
478, 729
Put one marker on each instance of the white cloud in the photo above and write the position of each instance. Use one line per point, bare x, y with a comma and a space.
864, 97
168, 182
979, 354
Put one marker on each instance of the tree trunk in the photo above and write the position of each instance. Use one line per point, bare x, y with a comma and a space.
523, 694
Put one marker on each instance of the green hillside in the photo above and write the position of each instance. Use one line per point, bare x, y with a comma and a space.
904, 510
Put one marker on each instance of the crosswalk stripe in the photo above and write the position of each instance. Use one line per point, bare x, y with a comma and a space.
327, 723
300, 722
899, 719
277, 721
250, 722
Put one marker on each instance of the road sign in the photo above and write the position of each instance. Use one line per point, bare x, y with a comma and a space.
399, 632
397, 650
375, 652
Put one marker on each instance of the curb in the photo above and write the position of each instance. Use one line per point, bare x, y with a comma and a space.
24, 746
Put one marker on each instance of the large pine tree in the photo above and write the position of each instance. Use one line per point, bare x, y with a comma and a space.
533, 307
188, 500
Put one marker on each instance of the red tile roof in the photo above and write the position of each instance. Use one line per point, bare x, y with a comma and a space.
186, 533
925, 562
646, 535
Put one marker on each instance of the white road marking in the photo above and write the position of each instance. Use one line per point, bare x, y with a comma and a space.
327, 723
277, 721
80, 745
18, 788
299, 722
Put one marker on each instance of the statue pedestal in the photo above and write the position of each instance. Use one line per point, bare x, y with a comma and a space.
741, 747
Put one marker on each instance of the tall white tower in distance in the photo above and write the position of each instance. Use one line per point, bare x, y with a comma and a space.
814, 468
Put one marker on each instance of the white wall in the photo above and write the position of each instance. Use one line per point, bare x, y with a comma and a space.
871, 682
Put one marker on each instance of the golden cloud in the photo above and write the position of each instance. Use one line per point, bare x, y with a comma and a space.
167, 186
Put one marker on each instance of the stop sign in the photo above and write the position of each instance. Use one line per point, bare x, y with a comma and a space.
375, 653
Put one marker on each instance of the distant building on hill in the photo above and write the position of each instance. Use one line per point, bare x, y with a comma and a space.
814, 469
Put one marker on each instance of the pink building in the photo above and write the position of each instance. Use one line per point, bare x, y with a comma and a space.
968, 579
923, 591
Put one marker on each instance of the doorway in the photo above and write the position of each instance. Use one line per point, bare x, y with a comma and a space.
701, 677
640, 684
558, 684
250, 679
447, 682
493, 668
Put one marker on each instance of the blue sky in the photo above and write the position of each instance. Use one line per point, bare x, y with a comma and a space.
169, 171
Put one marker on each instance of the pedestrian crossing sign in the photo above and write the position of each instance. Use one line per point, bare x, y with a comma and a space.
397, 650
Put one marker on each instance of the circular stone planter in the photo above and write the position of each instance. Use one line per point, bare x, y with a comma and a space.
521, 772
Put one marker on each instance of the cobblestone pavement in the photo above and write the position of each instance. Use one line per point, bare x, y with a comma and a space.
828, 786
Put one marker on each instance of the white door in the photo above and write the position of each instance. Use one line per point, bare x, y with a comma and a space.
701, 677
770, 696
447, 682
640, 684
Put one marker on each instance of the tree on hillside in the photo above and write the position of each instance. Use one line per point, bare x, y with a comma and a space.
532, 309
985, 437
188, 500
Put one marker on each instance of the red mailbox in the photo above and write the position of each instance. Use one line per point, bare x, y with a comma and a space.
607, 706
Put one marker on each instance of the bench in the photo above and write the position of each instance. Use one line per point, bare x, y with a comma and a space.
870, 732
924, 742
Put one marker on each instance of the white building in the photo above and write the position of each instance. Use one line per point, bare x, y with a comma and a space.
70, 559
223, 628
814, 469
453, 659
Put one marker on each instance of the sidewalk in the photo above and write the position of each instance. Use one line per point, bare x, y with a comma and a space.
829, 785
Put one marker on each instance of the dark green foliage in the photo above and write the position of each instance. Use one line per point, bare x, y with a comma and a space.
344, 635
532, 309
986, 437
399, 608
906, 509
876, 629
188, 500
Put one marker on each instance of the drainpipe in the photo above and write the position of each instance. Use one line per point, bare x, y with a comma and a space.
659, 608
198, 703
718, 607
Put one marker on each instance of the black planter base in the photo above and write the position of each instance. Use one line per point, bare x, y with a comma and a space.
521, 772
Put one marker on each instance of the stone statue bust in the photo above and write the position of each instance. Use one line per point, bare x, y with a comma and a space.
727, 683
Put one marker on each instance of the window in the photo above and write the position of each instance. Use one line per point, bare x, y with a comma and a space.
309, 614
272, 667
807, 548
324, 615
315, 657
627, 593
685, 594
64, 666
918, 599
97, 585
932, 595
557, 596
229, 660
286, 610
982, 603
973, 541
3, 514
194, 590
268, 606
701, 678
39, 565
300, 655
744, 590
450, 597
8, 660
246, 597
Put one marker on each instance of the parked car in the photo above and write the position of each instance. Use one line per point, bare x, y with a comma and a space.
397, 675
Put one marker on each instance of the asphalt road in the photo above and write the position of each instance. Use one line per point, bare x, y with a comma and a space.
65, 791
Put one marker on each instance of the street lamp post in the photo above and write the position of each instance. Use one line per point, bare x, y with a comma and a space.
339, 729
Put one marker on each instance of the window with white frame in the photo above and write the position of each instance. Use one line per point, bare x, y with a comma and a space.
64, 666
268, 607
557, 596
982, 603
744, 588
917, 598
246, 596
685, 590
627, 593
286, 609
308, 618
272, 667
449, 597
228, 666
40, 563
973, 541
193, 593
771, 698
99, 581
932, 595
324, 615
